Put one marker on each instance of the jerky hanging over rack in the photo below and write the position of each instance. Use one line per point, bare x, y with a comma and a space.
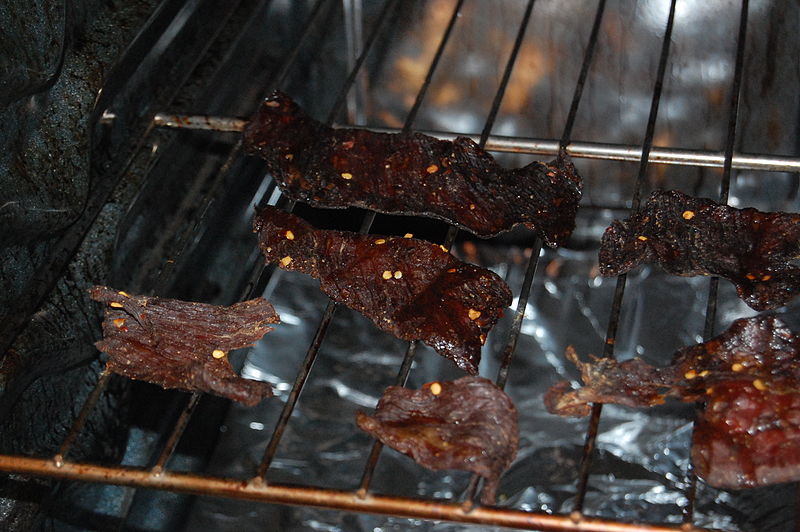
747, 378
467, 424
695, 236
412, 174
410, 288
183, 345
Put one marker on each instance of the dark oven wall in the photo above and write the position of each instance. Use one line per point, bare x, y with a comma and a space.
69, 175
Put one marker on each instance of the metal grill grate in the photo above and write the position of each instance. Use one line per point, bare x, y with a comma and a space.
157, 475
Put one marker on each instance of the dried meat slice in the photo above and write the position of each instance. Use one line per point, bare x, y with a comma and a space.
181, 344
410, 288
696, 236
748, 380
748, 437
412, 174
468, 424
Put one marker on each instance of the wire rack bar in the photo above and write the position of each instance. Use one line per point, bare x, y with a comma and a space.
619, 291
318, 497
535, 146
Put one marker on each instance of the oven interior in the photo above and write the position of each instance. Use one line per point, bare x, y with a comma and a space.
699, 97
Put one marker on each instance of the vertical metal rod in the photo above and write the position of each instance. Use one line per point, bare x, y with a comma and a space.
177, 432
619, 291
353, 14
377, 446
408, 359
519, 316
566, 136
501, 90
341, 99
83, 415
412, 114
711, 306
294, 393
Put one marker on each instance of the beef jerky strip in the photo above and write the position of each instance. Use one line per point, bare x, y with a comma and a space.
748, 380
412, 174
695, 236
183, 345
467, 424
410, 288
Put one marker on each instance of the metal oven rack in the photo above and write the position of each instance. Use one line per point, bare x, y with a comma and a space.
360, 498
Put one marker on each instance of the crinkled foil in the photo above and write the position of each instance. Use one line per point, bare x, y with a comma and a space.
639, 470
638, 474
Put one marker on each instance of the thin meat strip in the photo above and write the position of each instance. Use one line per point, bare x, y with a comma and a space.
411, 174
181, 344
410, 288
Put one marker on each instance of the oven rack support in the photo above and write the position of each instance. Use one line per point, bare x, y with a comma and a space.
536, 146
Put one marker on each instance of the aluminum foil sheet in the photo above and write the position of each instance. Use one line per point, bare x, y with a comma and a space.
639, 472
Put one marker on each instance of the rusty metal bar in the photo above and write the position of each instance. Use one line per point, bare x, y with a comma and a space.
255, 490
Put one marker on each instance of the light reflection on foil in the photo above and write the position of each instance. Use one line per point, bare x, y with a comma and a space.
642, 455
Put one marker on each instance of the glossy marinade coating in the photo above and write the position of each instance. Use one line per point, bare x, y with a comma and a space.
748, 381
411, 173
696, 236
410, 288
181, 344
467, 424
